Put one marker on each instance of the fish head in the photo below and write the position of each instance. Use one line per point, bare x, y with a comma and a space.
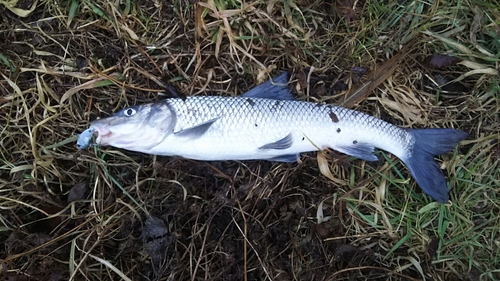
135, 128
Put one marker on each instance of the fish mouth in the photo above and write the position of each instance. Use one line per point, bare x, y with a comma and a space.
105, 137
102, 134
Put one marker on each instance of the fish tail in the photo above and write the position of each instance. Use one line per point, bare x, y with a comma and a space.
421, 163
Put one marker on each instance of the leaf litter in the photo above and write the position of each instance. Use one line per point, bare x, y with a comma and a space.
106, 214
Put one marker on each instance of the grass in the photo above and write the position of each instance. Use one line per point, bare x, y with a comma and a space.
107, 214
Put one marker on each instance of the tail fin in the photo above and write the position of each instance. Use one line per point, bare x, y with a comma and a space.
421, 163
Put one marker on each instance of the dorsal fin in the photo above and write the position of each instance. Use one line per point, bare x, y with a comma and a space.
275, 89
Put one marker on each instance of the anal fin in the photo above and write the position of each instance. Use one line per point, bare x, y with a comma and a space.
360, 150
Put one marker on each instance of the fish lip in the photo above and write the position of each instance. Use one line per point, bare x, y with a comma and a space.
102, 132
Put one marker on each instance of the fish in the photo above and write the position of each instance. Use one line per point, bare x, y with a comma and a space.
267, 123
85, 138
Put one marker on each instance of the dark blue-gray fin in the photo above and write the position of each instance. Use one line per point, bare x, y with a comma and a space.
285, 158
360, 150
283, 143
421, 163
170, 92
196, 131
275, 89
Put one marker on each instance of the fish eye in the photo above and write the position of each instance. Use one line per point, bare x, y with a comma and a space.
129, 111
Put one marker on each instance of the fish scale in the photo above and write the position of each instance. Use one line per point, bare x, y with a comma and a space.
249, 123
267, 123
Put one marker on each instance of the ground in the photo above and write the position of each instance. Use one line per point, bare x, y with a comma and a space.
107, 214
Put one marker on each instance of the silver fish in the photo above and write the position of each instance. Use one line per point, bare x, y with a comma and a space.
84, 138
267, 123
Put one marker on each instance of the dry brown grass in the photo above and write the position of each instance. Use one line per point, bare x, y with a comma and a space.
107, 214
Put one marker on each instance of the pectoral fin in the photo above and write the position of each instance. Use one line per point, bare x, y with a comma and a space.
283, 143
196, 131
